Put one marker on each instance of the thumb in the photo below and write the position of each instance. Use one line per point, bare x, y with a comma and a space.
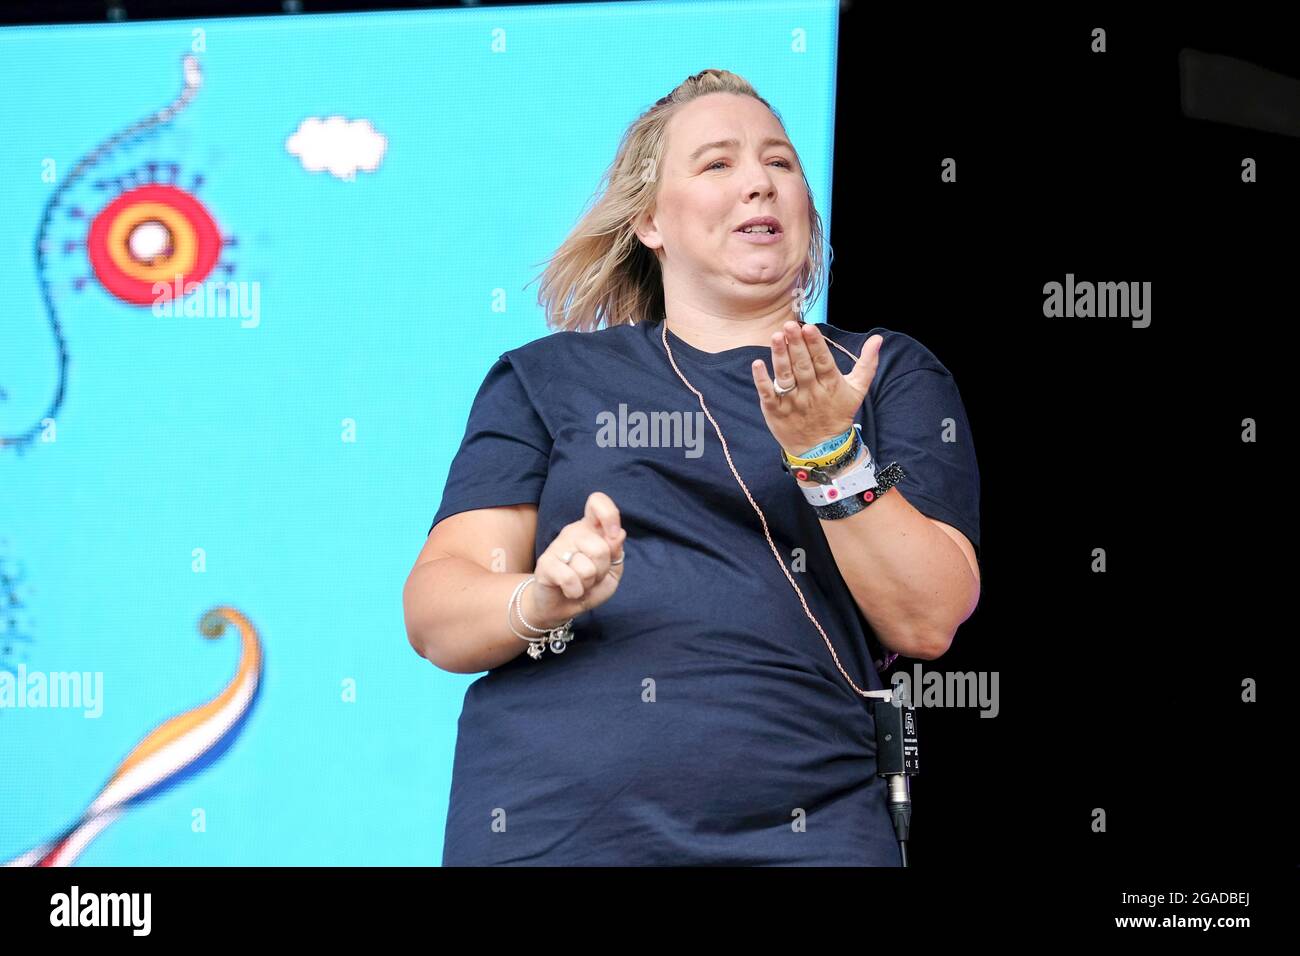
602, 515
612, 530
864, 370
616, 544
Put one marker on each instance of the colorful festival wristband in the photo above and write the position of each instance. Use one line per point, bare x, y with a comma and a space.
831, 465
826, 447
851, 505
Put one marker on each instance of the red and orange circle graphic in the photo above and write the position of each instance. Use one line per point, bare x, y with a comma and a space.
151, 234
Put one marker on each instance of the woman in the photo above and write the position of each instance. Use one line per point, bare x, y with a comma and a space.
692, 711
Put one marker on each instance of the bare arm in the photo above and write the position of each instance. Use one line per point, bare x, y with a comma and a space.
915, 579
455, 597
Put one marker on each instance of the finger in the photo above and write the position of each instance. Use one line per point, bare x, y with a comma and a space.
824, 367
595, 550
801, 363
782, 372
601, 514
604, 588
616, 547
554, 572
763, 382
585, 568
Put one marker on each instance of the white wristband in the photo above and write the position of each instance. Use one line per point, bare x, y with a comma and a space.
859, 479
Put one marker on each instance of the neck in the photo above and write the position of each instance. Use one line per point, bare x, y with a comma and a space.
718, 333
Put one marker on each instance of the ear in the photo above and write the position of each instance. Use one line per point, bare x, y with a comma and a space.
647, 231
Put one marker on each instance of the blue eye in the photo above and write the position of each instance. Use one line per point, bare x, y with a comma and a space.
784, 162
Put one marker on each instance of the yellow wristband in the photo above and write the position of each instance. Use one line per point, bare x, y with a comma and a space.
825, 459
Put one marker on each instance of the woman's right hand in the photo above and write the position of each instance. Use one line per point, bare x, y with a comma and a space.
562, 591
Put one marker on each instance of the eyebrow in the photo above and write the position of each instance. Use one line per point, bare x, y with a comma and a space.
732, 143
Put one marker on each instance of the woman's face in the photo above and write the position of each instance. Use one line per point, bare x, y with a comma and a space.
706, 192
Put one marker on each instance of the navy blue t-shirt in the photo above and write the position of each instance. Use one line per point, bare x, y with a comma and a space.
697, 716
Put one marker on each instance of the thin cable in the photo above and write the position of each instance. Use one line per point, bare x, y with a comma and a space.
759, 511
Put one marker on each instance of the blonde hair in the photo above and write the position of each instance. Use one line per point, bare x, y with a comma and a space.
603, 273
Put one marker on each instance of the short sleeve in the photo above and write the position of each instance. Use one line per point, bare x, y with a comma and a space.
921, 423
505, 453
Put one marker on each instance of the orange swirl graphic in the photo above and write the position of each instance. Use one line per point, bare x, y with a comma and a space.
169, 749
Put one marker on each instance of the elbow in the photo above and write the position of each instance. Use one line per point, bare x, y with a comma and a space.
421, 615
933, 642
932, 646
414, 636
424, 645
936, 640
429, 651
417, 643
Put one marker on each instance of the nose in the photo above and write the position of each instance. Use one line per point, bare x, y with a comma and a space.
762, 184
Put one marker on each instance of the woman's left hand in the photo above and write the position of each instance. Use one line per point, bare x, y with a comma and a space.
825, 401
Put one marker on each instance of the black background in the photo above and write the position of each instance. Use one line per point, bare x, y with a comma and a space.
1119, 690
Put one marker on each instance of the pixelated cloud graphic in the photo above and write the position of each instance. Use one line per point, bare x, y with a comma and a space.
337, 146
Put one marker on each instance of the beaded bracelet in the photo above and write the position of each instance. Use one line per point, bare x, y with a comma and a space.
559, 637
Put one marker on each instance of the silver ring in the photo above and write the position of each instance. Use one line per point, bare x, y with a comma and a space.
784, 391
566, 556
619, 561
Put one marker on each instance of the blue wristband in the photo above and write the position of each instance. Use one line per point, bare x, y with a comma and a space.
829, 445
